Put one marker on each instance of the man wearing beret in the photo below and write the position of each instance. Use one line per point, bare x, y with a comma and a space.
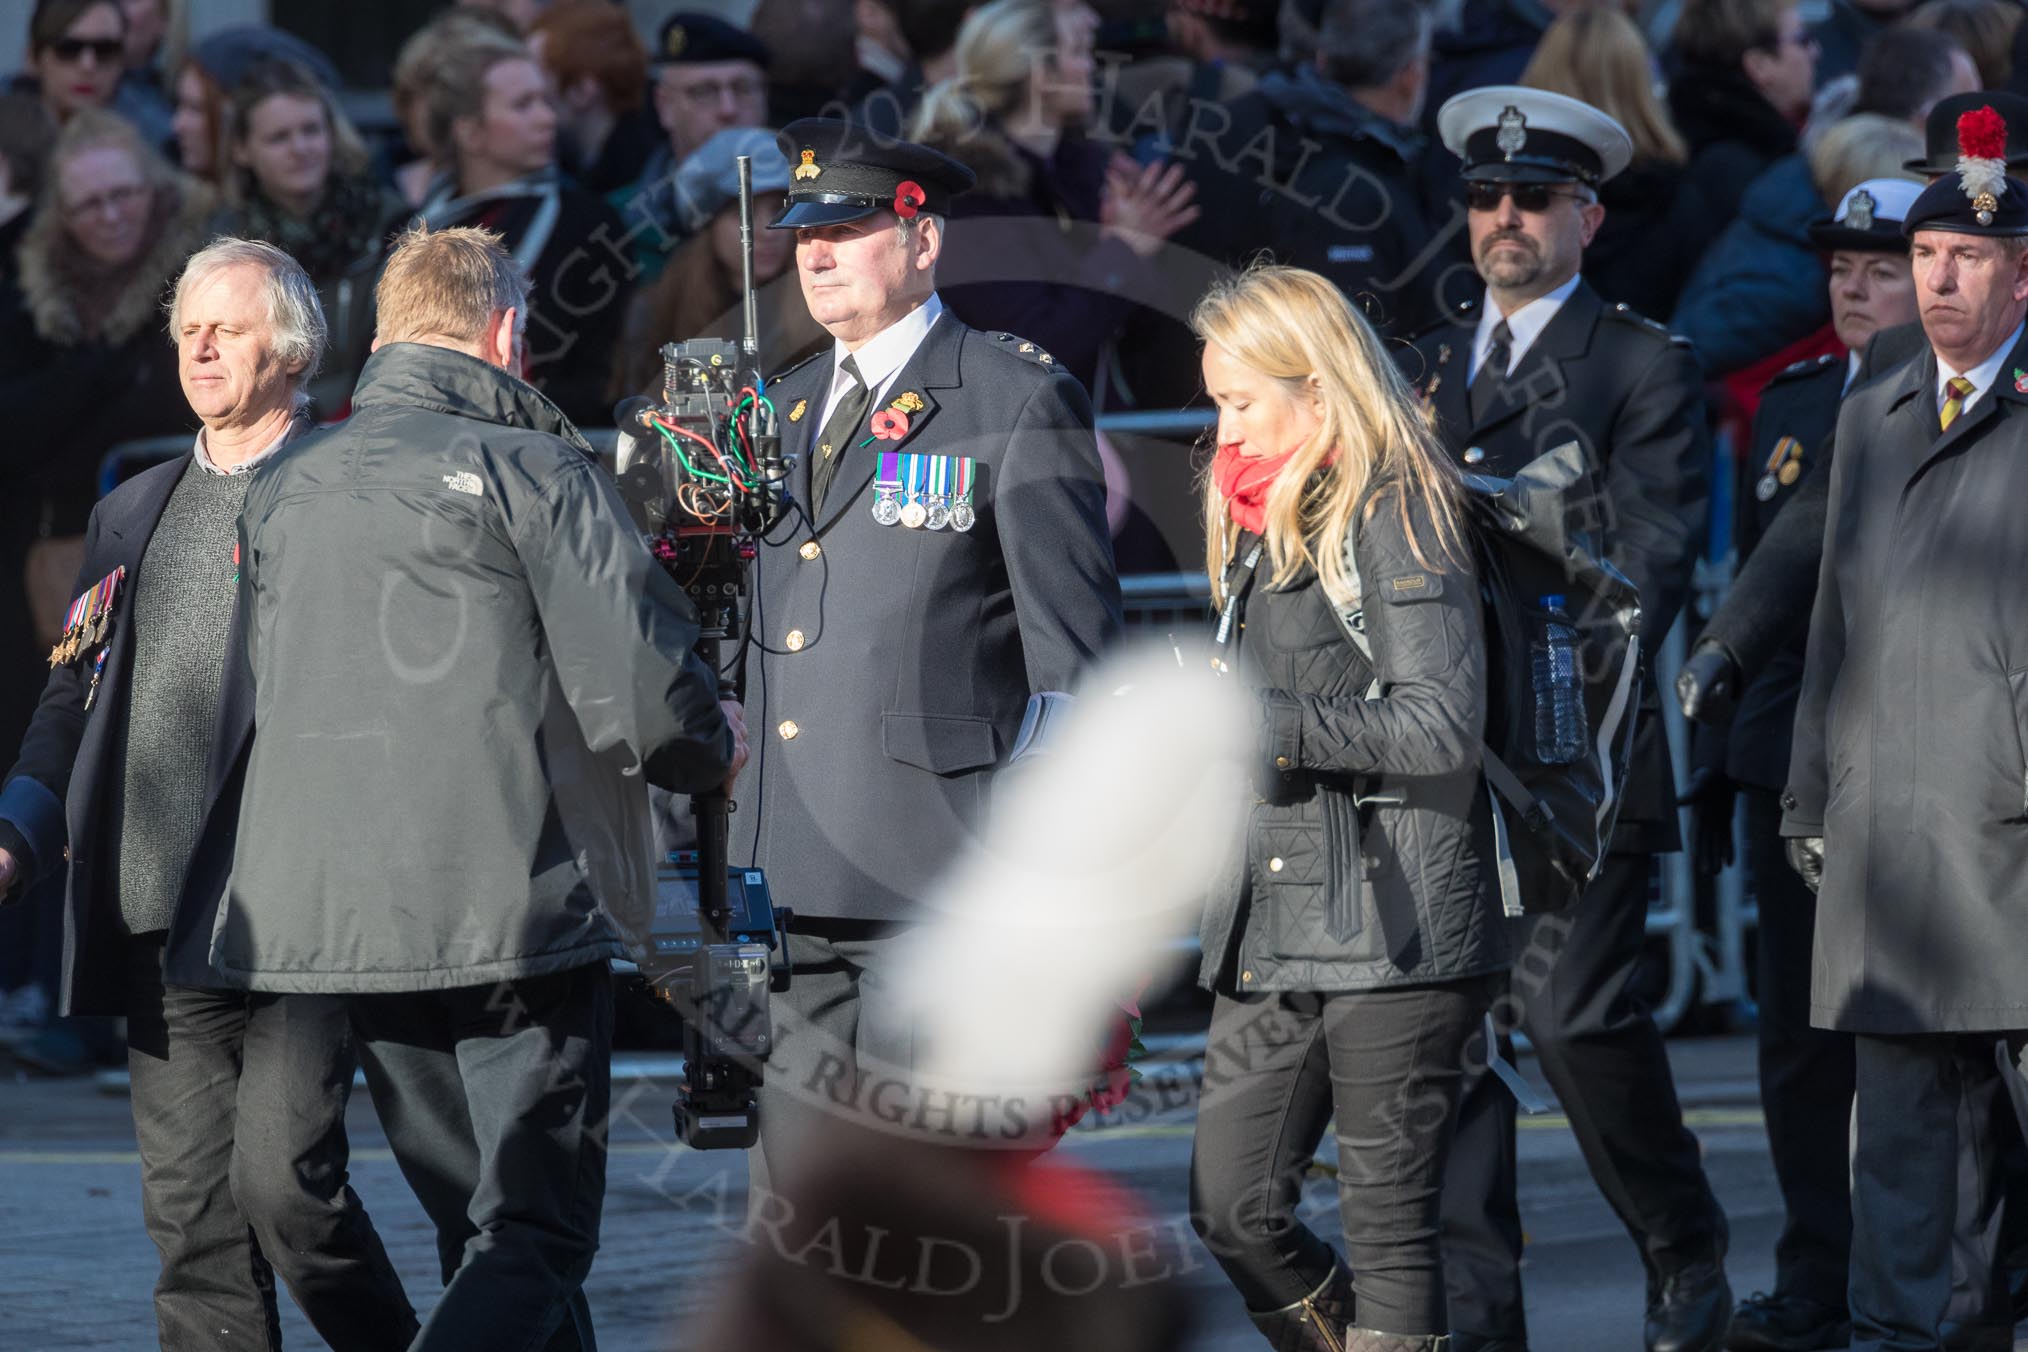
944, 575
1907, 801
1544, 362
708, 76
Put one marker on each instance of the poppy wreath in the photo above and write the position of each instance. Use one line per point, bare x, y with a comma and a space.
908, 199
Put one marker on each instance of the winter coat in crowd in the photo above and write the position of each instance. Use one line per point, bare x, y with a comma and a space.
1842, 35
467, 670
559, 235
1908, 756
1733, 131
1490, 44
1335, 893
1762, 285
1657, 225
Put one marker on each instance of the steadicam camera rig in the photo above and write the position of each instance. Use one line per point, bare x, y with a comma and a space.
702, 474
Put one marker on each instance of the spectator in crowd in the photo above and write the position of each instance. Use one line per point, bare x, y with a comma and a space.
26, 131
518, 16
414, 68
1761, 288
205, 82
699, 294
1843, 33
1221, 49
490, 112
84, 366
708, 76
1984, 28
301, 181
600, 70
929, 29
1058, 234
1486, 42
141, 98
76, 53
810, 72
1656, 222
1746, 70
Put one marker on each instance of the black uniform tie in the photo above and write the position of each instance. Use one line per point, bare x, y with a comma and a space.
1492, 377
846, 425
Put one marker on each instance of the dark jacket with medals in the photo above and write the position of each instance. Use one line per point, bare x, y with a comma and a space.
55, 801
891, 667
1909, 738
1632, 396
1334, 893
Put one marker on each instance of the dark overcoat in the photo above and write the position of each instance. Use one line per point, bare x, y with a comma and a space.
1632, 397
891, 667
1909, 742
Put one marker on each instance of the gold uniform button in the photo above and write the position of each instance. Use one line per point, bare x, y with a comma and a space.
788, 729
1275, 865
810, 550
1246, 976
1281, 762
795, 640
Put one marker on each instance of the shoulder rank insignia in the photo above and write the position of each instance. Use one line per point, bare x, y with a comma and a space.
796, 413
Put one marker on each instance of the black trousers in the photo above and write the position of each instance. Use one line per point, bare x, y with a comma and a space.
494, 1099
1805, 1075
1571, 990
239, 1111
1386, 1065
1925, 1215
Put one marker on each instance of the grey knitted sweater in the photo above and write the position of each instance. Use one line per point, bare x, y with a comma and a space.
181, 610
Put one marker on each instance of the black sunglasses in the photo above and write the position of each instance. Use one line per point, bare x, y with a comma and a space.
107, 50
1531, 197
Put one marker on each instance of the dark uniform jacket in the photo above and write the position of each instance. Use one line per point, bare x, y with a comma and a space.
467, 670
1332, 895
54, 801
1909, 738
1795, 425
890, 666
1632, 397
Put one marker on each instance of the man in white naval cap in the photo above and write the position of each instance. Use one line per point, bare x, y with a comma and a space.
1543, 362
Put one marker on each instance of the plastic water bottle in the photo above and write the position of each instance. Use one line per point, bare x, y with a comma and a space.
1559, 689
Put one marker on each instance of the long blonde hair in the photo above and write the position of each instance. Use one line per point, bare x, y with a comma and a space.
1597, 54
1291, 325
996, 53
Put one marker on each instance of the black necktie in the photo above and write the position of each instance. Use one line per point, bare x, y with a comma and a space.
846, 425
1492, 377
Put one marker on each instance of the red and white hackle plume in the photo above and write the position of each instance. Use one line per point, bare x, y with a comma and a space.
1982, 160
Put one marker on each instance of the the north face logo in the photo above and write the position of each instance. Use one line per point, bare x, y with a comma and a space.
464, 481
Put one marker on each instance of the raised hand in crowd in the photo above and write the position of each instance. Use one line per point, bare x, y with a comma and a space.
1146, 204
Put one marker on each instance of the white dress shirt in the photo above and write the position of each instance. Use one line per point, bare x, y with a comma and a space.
1525, 324
1851, 371
881, 357
1982, 376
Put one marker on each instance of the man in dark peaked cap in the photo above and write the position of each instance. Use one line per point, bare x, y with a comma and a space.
1907, 786
944, 575
1543, 362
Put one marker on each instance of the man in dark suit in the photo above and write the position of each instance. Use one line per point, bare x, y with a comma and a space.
239, 1099
1546, 362
945, 576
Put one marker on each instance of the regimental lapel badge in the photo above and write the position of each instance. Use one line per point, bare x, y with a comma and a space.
909, 402
796, 413
1513, 134
808, 168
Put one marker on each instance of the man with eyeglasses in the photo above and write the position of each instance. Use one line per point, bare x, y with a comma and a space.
708, 76
1543, 362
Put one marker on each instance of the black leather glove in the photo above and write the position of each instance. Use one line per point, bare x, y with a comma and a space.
1806, 857
1708, 685
1710, 795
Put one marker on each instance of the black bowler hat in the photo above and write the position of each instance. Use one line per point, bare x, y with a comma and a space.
1940, 131
1869, 218
841, 171
1508, 133
1978, 198
691, 39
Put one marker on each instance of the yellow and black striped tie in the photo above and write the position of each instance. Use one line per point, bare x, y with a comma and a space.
1961, 390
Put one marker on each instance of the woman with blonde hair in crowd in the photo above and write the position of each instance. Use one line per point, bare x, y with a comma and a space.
1358, 945
1656, 223
1059, 231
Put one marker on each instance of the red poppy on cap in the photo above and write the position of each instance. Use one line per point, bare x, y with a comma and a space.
908, 199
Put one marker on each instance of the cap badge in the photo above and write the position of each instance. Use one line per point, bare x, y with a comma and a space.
1982, 160
1513, 135
808, 168
674, 41
1859, 215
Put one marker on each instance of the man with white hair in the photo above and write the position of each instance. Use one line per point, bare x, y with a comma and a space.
126, 780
